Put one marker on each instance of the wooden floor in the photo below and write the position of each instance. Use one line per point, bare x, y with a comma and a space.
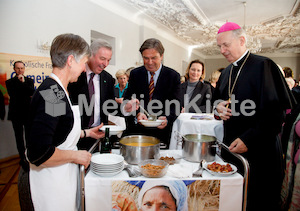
9, 198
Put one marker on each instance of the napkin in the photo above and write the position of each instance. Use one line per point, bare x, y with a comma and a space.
117, 120
180, 170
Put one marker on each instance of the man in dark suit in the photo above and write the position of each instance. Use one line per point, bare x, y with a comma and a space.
20, 90
166, 85
102, 84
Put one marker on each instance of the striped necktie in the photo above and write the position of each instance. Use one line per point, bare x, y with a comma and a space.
151, 86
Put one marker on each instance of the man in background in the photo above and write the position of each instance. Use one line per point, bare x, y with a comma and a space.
2, 106
20, 90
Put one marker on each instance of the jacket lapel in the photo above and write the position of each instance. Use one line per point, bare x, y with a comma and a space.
159, 83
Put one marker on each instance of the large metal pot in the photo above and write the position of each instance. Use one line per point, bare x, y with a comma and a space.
135, 154
197, 147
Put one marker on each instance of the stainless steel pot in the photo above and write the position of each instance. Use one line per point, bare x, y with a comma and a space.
135, 154
197, 147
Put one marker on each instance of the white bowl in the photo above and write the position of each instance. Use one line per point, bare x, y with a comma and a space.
113, 129
107, 159
148, 123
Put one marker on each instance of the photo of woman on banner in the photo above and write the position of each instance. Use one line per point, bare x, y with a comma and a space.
163, 195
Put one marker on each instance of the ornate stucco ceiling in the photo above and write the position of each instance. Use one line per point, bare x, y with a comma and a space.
272, 26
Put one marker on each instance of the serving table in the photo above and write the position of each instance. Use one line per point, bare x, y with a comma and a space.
96, 192
200, 123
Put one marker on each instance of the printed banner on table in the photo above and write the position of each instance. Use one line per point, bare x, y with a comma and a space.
37, 68
196, 195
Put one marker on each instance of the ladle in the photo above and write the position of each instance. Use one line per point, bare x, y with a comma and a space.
150, 117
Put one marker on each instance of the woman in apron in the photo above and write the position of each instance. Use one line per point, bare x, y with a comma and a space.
55, 129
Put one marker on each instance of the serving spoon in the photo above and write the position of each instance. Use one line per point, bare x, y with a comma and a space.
150, 117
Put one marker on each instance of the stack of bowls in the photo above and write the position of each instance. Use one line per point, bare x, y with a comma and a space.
107, 165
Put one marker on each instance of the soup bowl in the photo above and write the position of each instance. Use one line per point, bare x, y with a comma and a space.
137, 148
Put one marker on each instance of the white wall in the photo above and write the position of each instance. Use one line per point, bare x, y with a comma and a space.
288, 60
284, 60
26, 23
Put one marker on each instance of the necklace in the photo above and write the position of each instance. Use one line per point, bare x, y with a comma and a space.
230, 90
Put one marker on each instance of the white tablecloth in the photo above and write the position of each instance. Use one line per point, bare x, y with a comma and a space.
185, 125
98, 189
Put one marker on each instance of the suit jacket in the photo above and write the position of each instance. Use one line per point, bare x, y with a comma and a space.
81, 87
116, 92
2, 106
167, 88
201, 88
20, 96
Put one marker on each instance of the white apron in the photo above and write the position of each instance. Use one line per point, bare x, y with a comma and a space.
55, 188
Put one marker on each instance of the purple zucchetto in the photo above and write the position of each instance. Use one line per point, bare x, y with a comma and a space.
228, 26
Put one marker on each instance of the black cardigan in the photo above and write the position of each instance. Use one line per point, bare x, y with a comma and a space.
47, 131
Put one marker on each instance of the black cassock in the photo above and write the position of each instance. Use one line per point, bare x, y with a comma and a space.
261, 82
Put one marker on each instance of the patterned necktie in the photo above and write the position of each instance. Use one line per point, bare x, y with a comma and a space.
151, 86
91, 93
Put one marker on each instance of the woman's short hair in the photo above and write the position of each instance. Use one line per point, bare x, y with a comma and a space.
129, 70
215, 76
189, 66
65, 45
288, 72
182, 79
120, 73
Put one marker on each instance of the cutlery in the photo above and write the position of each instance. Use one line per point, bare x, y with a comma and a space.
150, 117
198, 173
132, 172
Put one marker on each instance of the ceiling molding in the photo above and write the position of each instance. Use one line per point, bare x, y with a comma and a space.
280, 33
193, 24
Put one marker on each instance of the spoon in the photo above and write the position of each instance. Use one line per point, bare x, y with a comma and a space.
150, 117
198, 173
130, 170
